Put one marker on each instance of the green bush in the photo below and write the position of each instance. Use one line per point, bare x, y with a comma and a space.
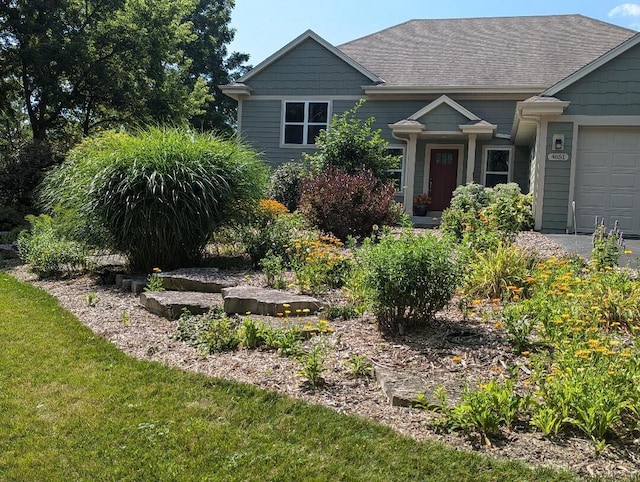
155, 195
46, 252
351, 145
409, 278
475, 209
608, 246
274, 237
284, 184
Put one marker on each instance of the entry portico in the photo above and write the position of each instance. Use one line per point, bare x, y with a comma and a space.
441, 142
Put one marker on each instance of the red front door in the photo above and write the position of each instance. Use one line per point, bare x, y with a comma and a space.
443, 176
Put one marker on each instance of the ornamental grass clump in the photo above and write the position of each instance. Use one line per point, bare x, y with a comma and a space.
408, 278
155, 195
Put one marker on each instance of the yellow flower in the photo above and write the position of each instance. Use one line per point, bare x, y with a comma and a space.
157, 270
498, 324
280, 313
628, 251
565, 316
457, 359
525, 353
476, 302
286, 305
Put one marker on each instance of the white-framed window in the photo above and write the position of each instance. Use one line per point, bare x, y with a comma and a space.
398, 172
497, 165
303, 120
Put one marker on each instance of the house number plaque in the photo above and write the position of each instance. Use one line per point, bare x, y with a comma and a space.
557, 156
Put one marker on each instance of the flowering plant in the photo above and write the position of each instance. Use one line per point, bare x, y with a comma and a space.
422, 199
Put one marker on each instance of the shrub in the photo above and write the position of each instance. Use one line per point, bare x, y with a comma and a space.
409, 279
46, 252
475, 209
347, 204
155, 195
273, 237
352, 145
284, 185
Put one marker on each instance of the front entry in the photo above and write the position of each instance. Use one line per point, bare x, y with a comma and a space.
443, 177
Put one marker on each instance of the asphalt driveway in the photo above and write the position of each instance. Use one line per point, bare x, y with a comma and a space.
583, 243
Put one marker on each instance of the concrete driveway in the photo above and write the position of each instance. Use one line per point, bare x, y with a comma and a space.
582, 244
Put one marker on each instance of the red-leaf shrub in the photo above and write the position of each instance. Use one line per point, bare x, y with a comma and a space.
347, 204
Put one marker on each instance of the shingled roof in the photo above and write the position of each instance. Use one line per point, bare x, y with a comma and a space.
533, 52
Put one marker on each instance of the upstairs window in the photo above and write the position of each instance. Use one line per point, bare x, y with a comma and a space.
303, 121
497, 165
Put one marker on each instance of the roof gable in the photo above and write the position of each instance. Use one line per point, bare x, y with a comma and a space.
594, 65
444, 100
309, 34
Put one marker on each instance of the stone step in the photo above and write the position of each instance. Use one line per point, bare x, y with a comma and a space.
205, 280
402, 389
169, 304
262, 301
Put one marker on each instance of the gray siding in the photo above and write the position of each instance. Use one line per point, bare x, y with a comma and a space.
556, 181
613, 89
309, 69
499, 112
521, 166
444, 118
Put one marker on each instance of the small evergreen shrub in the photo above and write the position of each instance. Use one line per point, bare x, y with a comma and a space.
347, 204
409, 278
46, 252
284, 184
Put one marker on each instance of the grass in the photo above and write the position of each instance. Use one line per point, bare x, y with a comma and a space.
73, 407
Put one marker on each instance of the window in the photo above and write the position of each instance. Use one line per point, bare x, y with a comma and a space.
303, 121
398, 173
497, 166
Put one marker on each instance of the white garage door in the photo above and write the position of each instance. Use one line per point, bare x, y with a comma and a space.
608, 177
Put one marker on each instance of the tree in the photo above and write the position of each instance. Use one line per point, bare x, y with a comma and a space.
87, 65
351, 145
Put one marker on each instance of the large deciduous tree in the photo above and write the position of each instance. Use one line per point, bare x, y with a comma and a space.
84, 65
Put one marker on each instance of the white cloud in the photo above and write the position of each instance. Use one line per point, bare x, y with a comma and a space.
625, 10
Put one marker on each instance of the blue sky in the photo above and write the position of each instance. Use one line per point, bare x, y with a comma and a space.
264, 26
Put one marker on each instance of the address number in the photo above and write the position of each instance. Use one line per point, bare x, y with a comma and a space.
558, 157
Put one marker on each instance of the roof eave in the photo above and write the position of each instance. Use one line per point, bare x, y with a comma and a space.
236, 90
387, 89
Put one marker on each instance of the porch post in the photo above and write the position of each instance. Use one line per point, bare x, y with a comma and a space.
471, 156
410, 173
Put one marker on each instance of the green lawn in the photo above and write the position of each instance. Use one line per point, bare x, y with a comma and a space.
73, 407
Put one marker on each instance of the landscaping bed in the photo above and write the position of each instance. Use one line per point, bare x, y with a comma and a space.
452, 350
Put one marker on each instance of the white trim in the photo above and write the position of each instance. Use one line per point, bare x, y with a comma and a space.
239, 117
485, 152
503, 136
572, 176
427, 162
443, 133
443, 99
471, 156
309, 34
541, 161
305, 123
602, 120
484, 128
311, 97
594, 65
236, 91
410, 172
452, 89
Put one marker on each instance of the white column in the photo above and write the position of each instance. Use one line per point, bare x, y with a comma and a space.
410, 173
471, 156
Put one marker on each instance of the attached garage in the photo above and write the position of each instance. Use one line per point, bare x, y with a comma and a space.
607, 179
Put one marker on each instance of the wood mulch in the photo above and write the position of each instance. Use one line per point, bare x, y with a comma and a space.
450, 349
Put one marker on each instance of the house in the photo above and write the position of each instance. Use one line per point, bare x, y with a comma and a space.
549, 102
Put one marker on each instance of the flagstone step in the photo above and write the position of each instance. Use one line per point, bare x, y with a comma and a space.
169, 304
205, 280
402, 389
263, 301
